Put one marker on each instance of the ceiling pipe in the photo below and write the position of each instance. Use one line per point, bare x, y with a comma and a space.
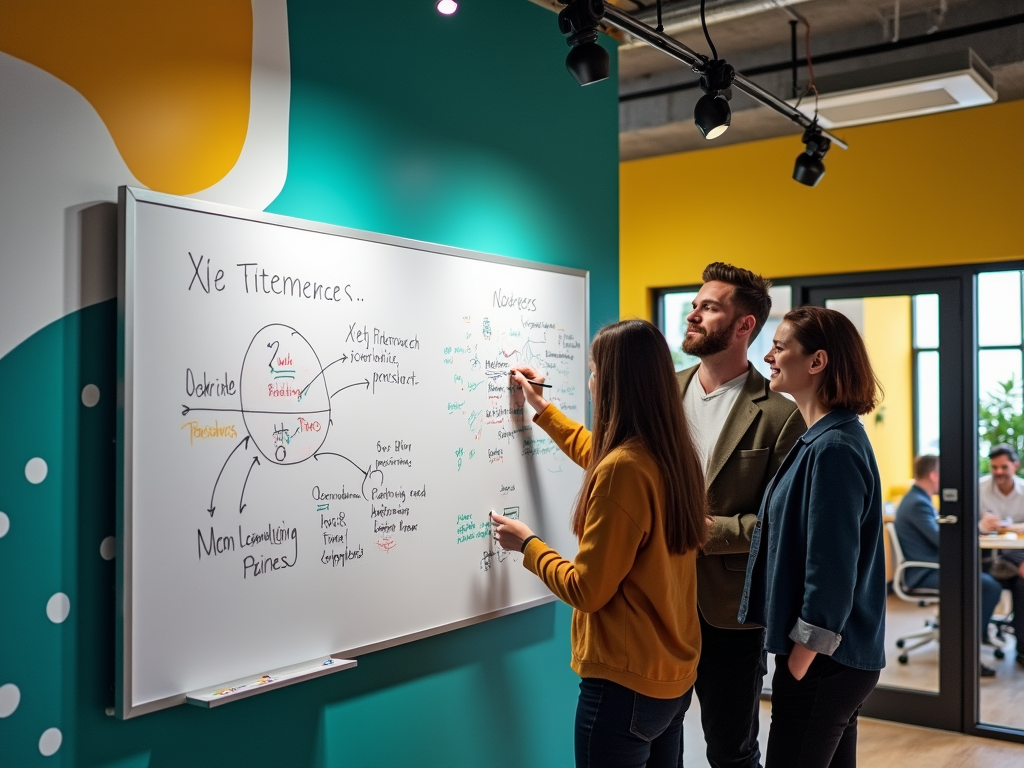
677, 50
684, 18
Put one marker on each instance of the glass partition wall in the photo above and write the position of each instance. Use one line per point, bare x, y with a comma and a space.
1001, 421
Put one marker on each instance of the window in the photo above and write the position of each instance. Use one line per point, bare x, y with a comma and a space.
925, 319
1000, 352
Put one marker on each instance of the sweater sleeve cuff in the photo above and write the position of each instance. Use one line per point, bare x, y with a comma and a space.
815, 638
533, 550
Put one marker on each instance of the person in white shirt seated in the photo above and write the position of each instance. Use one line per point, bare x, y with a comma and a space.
1001, 499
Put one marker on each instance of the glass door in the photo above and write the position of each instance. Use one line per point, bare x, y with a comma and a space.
1000, 365
914, 334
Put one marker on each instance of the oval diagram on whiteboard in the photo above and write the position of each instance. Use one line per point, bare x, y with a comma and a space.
284, 399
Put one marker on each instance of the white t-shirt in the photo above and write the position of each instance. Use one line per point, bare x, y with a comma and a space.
993, 501
706, 413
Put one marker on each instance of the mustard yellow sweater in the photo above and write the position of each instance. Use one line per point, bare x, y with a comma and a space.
635, 619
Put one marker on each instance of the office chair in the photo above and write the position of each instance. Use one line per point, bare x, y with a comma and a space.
921, 596
1003, 625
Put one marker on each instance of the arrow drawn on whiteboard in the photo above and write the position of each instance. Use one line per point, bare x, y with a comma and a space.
185, 410
368, 473
241, 505
363, 383
245, 442
340, 456
341, 359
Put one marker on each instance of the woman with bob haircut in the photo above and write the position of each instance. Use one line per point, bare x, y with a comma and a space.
816, 573
640, 518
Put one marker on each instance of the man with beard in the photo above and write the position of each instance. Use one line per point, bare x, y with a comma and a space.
743, 431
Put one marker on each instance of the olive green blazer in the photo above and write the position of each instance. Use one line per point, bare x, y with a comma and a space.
758, 433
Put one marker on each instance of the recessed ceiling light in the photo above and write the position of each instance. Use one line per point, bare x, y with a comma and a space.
447, 7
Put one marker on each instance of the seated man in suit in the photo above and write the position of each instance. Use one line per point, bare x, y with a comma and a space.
917, 526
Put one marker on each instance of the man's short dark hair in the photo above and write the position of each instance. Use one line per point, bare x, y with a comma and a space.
749, 291
925, 465
1003, 449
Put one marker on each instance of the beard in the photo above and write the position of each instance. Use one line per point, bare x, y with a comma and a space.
707, 344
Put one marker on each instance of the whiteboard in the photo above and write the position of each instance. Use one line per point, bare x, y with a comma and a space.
314, 425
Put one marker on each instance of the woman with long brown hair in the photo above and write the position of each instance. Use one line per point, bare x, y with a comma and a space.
640, 518
816, 571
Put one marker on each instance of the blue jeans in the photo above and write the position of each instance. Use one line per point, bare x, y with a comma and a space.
620, 728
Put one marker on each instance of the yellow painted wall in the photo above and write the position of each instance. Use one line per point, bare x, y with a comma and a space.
942, 189
890, 428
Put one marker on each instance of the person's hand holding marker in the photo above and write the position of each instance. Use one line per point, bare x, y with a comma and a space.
511, 534
532, 384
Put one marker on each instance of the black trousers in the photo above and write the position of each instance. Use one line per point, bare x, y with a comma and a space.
814, 720
729, 676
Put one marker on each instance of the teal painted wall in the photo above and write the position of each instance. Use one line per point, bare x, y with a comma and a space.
465, 131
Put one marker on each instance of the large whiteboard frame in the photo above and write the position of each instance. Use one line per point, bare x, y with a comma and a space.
129, 198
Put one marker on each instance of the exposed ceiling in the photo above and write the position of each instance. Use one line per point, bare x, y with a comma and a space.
657, 93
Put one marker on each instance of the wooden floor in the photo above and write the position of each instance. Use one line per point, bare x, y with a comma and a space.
884, 745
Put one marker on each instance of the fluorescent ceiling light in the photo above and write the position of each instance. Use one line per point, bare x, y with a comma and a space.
907, 89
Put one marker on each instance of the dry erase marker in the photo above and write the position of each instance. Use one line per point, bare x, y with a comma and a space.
537, 383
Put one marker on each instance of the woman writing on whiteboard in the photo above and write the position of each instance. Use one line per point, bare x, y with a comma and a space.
640, 518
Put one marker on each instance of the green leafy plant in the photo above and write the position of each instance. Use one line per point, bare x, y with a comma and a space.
1001, 420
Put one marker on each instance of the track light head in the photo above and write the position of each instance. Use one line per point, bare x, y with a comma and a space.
809, 167
712, 113
587, 62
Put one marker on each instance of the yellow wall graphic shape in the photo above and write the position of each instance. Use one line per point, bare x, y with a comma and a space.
170, 80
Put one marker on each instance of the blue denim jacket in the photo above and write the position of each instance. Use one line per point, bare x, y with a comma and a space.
820, 580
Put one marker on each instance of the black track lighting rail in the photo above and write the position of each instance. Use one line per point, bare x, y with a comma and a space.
668, 45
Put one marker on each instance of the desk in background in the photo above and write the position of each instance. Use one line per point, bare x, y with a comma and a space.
1001, 541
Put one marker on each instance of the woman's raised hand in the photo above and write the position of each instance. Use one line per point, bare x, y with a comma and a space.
510, 533
528, 379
